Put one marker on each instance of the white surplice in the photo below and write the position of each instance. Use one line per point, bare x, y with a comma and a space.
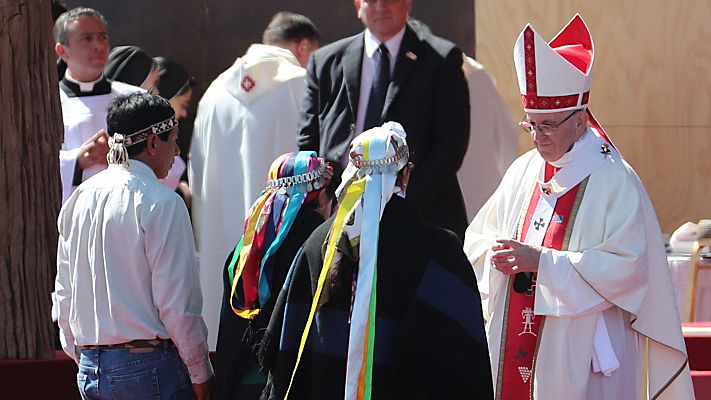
126, 267
83, 117
613, 269
493, 138
247, 117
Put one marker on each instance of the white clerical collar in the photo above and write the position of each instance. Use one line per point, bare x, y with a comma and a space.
393, 44
83, 86
583, 141
588, 153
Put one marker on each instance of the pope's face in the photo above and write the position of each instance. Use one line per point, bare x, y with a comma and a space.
552, 144
87, 49
384, 18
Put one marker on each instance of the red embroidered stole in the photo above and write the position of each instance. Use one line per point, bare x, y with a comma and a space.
521, 327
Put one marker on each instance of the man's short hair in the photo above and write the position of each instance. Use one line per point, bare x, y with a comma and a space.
136, 112
61, 26
288, 27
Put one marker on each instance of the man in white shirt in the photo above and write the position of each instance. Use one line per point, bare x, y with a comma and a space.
244, 121
127, 280
568, 252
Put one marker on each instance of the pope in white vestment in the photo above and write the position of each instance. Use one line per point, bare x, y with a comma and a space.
602, 315
246, 118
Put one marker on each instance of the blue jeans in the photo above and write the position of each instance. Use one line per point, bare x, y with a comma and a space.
114, 373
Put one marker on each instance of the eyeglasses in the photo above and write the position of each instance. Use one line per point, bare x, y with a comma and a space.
545, 129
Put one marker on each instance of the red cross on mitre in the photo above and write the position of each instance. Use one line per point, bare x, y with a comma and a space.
248, 83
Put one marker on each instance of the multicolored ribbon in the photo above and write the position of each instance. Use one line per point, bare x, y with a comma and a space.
270, 220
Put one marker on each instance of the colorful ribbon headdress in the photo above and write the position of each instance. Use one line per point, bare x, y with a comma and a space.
294, 179
368, 183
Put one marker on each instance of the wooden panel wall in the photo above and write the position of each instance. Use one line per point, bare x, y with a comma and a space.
651, 86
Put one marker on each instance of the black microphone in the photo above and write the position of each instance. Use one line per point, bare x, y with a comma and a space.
522, 281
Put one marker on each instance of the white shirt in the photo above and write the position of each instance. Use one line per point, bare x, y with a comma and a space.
126, 267
371, 58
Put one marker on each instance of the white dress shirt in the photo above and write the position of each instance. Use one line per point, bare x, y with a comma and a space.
371, 58
126, 267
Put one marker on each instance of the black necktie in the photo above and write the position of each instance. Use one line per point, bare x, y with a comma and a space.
381, 80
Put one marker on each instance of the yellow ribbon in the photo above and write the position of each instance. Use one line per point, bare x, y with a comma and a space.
247, 245
353, 193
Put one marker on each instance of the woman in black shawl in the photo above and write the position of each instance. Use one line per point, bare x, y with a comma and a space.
378, 305
296, 200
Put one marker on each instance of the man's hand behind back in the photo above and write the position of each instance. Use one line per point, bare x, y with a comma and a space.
203, 391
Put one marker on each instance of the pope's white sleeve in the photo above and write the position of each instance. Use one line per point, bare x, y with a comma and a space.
571, 283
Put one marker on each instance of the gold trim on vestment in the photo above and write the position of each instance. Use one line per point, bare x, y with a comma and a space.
672, 379
535, 353
505, 325
576, 205
574, 212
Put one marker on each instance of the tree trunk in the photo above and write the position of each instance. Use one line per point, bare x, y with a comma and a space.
31, 133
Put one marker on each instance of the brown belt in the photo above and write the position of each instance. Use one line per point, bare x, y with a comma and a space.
140, 345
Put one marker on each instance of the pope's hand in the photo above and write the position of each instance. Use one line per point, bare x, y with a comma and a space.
512, 256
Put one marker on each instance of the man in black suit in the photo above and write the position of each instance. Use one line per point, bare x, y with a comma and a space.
391, 73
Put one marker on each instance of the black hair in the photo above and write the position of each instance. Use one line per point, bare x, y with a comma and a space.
137, 112
288, 27
174, 78
58, 8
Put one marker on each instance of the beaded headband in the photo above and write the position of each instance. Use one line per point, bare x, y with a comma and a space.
155, 129
118, 142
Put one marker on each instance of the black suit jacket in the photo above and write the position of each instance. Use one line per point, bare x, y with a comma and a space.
428, 95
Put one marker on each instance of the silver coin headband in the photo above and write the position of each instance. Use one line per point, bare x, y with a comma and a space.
391, 164
313, 180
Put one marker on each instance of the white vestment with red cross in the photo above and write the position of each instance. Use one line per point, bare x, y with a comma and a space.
245, 120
